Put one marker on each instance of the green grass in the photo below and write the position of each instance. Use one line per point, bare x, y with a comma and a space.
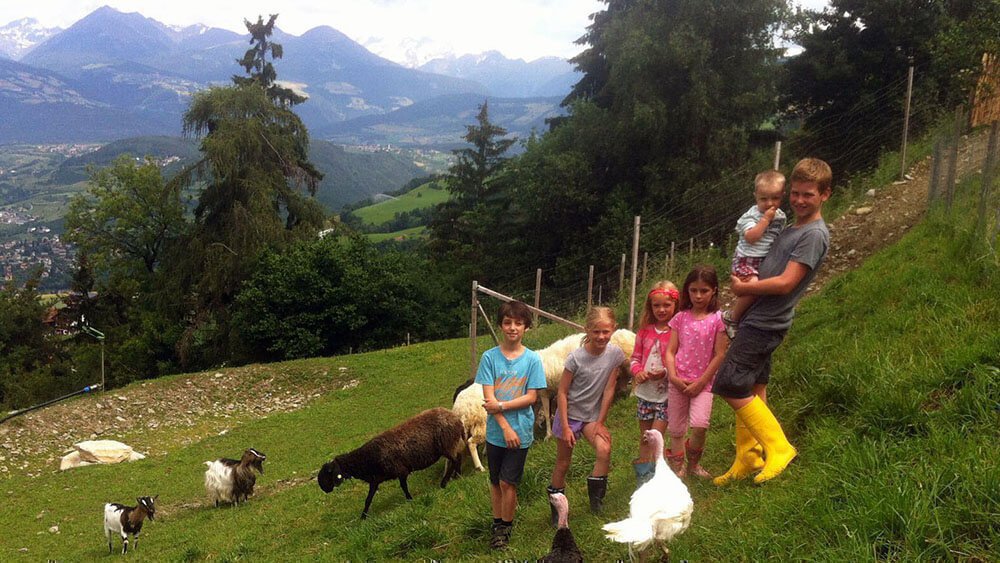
427, 195
405, 234
888, 384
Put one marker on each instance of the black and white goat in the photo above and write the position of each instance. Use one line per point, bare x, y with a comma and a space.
124, 520
414, 444
229, 480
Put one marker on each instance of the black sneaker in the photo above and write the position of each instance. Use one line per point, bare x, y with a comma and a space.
501, 536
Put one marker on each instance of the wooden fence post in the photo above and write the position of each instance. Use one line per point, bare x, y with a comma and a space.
949, 185
538, 292
672, 245
906, 122
590, 288
621, 275
472, 331
988, 170
635, 268
932, 186
777, 155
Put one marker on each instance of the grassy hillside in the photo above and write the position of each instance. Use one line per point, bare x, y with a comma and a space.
888, 384
405, 234
427, 195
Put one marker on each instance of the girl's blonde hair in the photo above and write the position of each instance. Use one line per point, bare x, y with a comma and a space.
596, 315
648, 317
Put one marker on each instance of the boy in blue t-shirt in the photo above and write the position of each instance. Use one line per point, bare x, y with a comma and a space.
510, 374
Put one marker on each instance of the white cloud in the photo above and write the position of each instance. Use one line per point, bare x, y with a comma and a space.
518, 28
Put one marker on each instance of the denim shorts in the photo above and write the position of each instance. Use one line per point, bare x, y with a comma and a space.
747, 363
648, 410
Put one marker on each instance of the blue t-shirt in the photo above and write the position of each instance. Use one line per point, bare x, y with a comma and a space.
511, 379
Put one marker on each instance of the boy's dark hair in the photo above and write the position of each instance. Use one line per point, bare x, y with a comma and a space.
515, 310
703, 273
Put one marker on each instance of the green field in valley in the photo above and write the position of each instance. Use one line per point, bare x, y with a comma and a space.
427, 195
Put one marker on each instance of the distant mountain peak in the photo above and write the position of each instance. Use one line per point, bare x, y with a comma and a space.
20, 36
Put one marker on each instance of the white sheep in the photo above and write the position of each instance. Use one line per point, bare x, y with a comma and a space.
554, 360
468, 405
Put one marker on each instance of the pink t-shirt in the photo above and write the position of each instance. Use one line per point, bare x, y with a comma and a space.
696, 343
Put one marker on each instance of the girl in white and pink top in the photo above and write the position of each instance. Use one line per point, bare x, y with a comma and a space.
695, 352
647, 365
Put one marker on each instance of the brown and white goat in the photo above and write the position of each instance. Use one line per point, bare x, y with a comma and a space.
414, 444
124, 520
229, 480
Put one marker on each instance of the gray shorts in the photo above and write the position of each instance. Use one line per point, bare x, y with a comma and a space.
747, 363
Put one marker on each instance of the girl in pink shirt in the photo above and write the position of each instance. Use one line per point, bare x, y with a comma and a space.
649, 374
695, 352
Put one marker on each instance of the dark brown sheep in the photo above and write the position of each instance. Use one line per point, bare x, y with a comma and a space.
412, 445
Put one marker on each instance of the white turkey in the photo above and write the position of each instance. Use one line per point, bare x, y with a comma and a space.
659, 510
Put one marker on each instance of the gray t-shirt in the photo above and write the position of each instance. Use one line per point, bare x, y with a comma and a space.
806, 245
590, 376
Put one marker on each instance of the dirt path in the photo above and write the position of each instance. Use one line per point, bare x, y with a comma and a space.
875, 222
170, 414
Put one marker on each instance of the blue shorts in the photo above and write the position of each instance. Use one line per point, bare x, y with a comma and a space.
648, 410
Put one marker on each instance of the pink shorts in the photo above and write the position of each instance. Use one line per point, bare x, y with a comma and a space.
744, 266
684, 411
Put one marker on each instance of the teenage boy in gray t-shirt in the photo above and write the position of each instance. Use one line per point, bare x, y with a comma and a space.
786, 272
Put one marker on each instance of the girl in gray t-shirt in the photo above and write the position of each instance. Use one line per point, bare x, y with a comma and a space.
585, 392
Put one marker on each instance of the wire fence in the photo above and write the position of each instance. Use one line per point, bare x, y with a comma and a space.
670, 259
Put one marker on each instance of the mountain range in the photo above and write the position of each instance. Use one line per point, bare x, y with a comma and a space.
113, 74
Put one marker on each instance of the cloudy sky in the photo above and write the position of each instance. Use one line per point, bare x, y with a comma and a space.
395, 29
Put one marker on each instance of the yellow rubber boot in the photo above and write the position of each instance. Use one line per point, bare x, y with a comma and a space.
749, 456
778, 453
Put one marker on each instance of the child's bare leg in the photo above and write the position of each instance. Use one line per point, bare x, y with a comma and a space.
742, 304
564, 454
496, 500
508, 493
697, 439
677, 444
661, 426
602, 448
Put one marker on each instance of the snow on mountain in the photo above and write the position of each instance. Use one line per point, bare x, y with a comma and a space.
411, 52
20, 36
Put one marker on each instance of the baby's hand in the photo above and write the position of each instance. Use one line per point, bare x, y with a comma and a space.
769, 214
